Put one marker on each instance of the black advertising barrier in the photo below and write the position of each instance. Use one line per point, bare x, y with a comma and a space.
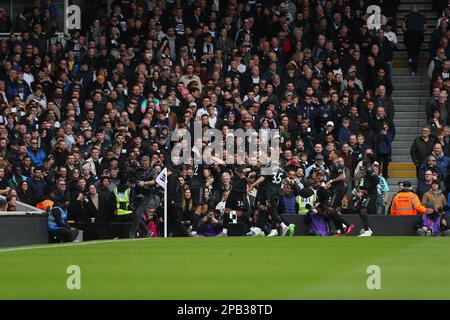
22, 229
380, 225
27, 229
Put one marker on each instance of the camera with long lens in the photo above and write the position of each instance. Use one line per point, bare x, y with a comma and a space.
443, 210
132, 172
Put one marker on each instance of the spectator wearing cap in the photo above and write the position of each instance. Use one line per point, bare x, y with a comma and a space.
319, 163
327, 130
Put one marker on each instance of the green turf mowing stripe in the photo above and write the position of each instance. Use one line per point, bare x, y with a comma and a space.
232, 268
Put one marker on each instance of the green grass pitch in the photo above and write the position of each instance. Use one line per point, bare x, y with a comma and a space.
232, 268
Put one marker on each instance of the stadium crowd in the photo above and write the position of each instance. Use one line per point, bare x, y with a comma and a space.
86, 125
430, 152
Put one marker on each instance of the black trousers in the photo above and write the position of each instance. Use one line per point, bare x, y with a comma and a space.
338, 219
65, 234
413, 42
383, 159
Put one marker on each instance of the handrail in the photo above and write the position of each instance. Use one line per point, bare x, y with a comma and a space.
21, 213
23, 207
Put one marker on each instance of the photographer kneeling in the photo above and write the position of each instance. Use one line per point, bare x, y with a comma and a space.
209, 225
432, 223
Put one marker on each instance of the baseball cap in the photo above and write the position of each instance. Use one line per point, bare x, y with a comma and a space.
376, 163
407, 185
330, 123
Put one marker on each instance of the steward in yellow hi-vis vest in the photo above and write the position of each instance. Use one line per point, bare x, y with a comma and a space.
123, 201
306, 200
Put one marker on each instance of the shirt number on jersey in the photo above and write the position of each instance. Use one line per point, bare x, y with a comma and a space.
277, 178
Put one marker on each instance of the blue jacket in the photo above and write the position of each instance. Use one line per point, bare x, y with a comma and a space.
37, 158
57, 218
384, 143
310, 111
448, 202
442, 165
344, 135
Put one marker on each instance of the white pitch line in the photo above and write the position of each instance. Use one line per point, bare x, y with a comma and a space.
67, 245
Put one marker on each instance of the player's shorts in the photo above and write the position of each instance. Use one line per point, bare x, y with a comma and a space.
197, 195
235, 201
336, 197
266, 199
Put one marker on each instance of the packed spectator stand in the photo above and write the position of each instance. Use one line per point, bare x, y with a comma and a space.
87, 123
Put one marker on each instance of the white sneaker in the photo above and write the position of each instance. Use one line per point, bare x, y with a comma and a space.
258, 232
273, 233
284, 230
366, 233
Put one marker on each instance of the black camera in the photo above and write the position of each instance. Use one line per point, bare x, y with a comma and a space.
132, 172
443, 210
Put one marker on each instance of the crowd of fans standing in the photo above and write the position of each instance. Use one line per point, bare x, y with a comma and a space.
74, 115
430, 152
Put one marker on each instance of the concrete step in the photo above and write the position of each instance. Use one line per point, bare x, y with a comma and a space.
410, 79
403, 63
426, 37
406, 175
405, 72
402, 54
401, 166
409, 107
402, 158
409, 93
405, 115
423, 47
411, 100
406, 130
400, 152
395, 181
429, 15
400, 145
406, 123
411, 87
406, 138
